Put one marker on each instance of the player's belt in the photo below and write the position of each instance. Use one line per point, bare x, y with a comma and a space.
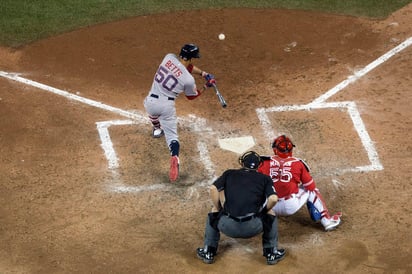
240, 219
288, 197
157, 97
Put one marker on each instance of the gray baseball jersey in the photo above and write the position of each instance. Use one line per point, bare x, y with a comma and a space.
171, 79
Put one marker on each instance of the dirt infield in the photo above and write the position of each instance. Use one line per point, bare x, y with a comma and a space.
64, 209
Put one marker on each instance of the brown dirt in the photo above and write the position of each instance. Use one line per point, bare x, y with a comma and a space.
58, 210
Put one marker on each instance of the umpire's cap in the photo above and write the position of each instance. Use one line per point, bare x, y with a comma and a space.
189, 51
250, 160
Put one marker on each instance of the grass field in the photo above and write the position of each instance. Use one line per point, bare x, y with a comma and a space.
25, 21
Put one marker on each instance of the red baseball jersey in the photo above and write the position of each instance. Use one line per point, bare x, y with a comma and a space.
287, 174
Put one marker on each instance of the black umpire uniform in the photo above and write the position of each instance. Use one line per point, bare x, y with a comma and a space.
242, 202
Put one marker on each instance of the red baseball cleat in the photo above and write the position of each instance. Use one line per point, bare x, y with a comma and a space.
174, 168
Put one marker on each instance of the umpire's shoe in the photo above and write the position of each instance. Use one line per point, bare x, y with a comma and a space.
207, 254
273, 255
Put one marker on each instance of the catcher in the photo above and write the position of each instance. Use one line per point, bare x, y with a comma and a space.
294, 185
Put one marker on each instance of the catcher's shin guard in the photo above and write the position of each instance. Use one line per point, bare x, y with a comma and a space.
318, 211
316, 206
314, 213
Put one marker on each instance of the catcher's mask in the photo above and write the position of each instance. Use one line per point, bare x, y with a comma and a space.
283, 146
189, 51
250, 160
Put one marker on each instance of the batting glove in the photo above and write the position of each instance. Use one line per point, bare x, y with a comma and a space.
209, 76
210, 83
210, 80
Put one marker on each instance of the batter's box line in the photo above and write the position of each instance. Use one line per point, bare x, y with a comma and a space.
360, 73
355, 116
351, 108
197, 124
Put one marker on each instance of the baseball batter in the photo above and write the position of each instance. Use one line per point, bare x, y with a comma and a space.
173, 77
294, 185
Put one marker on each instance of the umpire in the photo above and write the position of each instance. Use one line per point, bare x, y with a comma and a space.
242, 202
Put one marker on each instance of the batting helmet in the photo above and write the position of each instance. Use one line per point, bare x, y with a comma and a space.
189, 51
250, 160
283, 146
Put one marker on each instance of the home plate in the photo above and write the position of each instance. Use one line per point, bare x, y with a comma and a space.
237, 145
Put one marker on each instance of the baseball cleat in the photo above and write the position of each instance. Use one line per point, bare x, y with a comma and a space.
157, 132
275, 256
174, 168
206, 255
331, 223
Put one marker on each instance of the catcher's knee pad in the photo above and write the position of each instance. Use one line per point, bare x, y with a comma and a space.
315, 215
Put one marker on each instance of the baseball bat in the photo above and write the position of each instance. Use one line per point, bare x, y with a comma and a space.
219, 96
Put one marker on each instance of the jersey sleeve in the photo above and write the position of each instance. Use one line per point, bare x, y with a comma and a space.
221, 181
190, 90
305, 177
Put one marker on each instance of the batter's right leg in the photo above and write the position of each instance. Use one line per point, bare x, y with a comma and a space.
174, 160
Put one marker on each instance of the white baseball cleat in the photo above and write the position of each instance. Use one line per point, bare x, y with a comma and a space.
331, 223
157, 132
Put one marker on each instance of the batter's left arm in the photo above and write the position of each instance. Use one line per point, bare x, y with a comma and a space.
195, 70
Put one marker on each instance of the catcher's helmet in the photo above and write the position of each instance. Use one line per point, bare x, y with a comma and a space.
250, 160
189, 51
283, 146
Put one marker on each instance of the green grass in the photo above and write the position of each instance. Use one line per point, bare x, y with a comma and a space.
25, 21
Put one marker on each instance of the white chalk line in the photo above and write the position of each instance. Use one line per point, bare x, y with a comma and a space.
113, 161
356, 120
71, 96
107, 145
359, 74
196, 124
351, 108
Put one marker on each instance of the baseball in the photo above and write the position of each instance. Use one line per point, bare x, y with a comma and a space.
221, 36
